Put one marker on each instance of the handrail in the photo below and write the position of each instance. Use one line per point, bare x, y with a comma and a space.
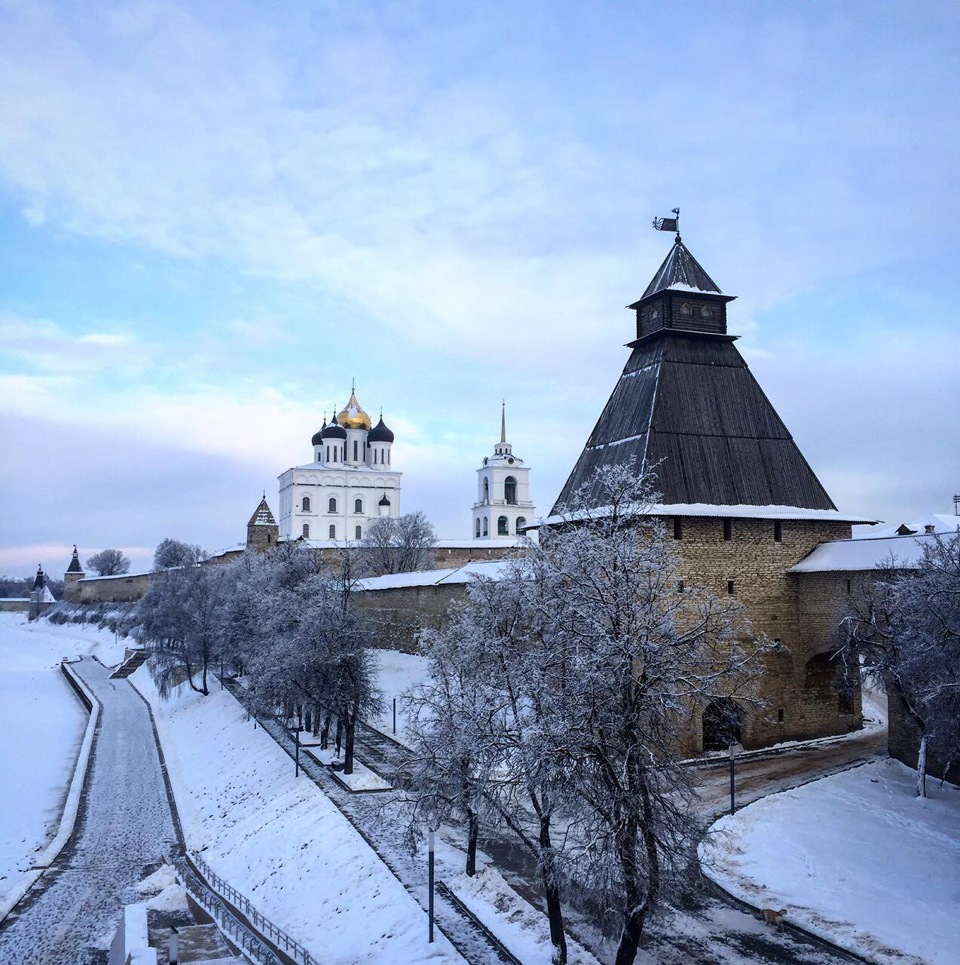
266, 927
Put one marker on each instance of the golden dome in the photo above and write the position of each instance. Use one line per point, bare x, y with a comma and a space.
353, 417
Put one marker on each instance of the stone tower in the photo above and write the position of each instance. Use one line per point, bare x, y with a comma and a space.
736, 494
262, 530
71, 579
503, 505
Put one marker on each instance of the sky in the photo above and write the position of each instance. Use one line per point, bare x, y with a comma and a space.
214, 217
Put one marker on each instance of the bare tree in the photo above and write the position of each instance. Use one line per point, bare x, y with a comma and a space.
399, 544
905, 626
108, 563
172, 552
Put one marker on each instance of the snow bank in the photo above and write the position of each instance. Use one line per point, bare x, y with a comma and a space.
856, 858
280, 841
43, 724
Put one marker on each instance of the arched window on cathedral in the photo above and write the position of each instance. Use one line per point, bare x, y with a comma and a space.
358, 505
356, 451
510, 491
478, 527
306, 504
332, 505
306, 531
486, 490
521, 522
503, 527
484, 525
333, 531
359, 532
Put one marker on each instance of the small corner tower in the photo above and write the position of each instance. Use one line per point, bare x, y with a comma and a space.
40, 596
72, 578
503, 504
262, 530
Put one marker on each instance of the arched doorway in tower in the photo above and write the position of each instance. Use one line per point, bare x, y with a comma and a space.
827, 685
722, 725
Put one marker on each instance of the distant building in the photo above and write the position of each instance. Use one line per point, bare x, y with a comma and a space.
503, 507
350, 482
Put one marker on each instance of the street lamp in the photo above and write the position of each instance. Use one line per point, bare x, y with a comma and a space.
430, 898
733, 766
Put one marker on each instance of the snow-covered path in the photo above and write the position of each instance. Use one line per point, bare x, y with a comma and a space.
124, 829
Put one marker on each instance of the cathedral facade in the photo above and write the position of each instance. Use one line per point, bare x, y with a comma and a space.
349, 483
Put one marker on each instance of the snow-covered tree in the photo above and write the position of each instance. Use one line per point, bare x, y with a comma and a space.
399, 544
179, 620
591, 661
108, 563
906, 627
172, 552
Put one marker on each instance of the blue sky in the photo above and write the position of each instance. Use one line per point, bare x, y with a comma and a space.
213, 217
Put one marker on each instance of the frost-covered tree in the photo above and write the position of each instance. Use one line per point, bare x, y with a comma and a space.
179, 620
905, 625
400, 544
591, 661
172, 552
108, 563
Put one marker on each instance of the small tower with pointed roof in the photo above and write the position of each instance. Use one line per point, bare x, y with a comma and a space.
503, 505
262, 530
72, 578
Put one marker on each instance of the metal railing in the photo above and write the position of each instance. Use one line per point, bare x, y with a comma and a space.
278, 937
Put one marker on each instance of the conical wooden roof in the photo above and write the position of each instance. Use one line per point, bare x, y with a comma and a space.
688, 408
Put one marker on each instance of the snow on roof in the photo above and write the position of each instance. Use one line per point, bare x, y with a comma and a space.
456, 575
864, 554
117, 576
941, 523
716, 510
466, 544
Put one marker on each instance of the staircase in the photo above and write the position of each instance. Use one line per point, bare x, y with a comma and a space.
132, 659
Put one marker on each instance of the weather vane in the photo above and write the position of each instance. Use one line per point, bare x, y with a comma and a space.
668, 224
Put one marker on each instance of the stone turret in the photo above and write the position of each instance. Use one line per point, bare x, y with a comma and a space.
72, 578
262, 530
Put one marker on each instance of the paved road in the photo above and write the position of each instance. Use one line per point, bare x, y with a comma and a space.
123, 829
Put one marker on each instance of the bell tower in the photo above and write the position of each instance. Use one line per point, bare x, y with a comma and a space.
503, 505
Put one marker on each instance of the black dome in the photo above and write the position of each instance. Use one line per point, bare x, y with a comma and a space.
334, 431
318, 436
380, 433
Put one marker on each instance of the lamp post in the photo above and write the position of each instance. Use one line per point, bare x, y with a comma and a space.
430, 898
733, 766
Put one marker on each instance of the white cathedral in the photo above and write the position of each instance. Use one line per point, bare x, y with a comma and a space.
349, 483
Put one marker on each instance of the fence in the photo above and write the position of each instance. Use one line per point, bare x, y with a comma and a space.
279, 938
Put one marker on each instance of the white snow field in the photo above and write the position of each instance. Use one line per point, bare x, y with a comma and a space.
279, 840
42, 722
856, 858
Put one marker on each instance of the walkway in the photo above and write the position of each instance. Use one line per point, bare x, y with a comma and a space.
123, 830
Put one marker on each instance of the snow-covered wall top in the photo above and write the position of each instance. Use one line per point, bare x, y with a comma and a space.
865, 554
722, 511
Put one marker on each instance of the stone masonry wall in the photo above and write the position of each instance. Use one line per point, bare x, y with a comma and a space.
114, 589
798, 704
401, 613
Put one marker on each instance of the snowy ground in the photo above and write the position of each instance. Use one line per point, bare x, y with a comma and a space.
856, 858
398, 674
279, 840
43, 724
